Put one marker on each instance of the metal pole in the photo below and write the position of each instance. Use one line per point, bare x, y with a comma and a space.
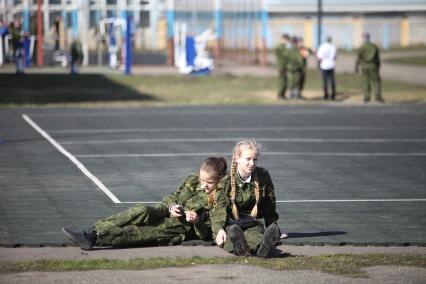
170, 31
319, 23
39, 35
264, 17
218, 28
128, 66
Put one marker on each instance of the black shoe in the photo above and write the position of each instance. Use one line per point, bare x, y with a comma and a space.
236, 235
271, 236
84, 239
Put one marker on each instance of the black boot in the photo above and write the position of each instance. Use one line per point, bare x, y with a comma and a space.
236, 235
270, 238
85, 239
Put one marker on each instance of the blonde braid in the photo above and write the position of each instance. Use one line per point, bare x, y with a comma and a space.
257, 194
234, 191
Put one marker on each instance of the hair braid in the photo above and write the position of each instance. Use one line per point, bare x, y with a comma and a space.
234, 191
257, 194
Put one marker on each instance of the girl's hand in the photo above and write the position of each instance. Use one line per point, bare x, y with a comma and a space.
191, 217
176, 211
221, 237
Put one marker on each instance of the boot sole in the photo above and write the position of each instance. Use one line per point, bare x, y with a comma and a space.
236, 235
70, 236
271, 236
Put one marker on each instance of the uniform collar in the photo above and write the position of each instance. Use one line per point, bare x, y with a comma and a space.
241, 182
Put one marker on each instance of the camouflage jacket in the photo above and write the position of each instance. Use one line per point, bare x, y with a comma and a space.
281, 54
245, 199
193, 198
295, 60
368, 55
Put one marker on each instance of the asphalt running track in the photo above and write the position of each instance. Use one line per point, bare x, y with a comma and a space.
343, 174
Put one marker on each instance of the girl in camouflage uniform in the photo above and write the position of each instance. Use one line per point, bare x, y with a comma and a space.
182, 215
249, 197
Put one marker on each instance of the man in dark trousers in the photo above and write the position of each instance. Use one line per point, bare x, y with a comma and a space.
326, 54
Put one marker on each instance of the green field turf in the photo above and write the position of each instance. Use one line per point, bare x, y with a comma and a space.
137, 91
411, 60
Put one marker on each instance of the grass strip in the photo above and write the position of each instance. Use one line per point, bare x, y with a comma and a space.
409, 60
99, 91
350, 265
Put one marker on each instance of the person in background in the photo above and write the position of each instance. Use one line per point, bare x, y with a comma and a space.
368, 58
295, 67
76, 56
17, 45
305, 52
281, 54
326, 54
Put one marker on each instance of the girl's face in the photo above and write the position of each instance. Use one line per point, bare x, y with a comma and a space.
207, 181
246, 162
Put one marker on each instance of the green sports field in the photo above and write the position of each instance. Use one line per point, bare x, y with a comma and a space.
112, 90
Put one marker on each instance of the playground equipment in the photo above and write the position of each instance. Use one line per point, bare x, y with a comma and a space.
191, 56
118, 34
5, 42
112, 30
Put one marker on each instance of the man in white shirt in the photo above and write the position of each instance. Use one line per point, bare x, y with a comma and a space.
327, 56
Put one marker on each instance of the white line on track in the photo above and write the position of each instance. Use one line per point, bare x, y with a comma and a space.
231, 129
159, 155
72, 158
208, 140
376, 110
320, 201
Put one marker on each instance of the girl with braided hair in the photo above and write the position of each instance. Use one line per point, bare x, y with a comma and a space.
249, 197
183, 215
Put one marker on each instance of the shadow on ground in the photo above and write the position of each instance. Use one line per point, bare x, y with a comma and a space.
317, 234
65, 88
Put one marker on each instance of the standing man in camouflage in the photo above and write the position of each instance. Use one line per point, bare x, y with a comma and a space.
182, 215
281, 53
295, 67
369, 60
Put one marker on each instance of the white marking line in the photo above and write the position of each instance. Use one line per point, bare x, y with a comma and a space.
72, 158
160, 155
207, 140
228, 129
321, 201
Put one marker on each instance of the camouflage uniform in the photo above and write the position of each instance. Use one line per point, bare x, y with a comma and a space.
245, 199
295, 67
146, 225
281, 53
369, 60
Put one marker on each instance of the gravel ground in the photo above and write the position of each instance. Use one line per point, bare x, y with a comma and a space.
203, 273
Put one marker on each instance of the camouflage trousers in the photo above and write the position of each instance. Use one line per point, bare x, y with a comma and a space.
371, 81
295, 81
140, 225
283, 82
253, 237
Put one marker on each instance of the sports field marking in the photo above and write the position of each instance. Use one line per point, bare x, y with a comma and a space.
72, 158
376, 109
231, 129
159, 155
320, 201
208, 140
